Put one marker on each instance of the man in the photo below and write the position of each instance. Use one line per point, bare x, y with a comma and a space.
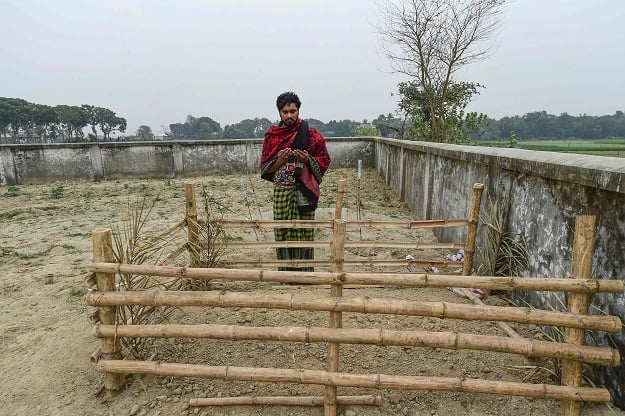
294, 158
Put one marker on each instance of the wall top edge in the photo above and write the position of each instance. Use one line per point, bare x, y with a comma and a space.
216, 142
607, 173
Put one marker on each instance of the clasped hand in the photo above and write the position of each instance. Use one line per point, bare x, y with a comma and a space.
285, 154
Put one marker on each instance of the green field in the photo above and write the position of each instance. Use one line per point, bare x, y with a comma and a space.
601, 147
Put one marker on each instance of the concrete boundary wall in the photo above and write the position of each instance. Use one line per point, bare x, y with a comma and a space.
541, 193
35, 164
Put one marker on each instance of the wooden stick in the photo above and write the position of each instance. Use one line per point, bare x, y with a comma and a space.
172, 255
192, 225
474, 217
467, 267
351, 224
450, 340
275, 223
356, 304
578, 303
507, 329
391, 279
376, 381
111, 347
355, 243
275, 244
369, 262
339, 199
285, 401
175, 228
381, 224
336, 317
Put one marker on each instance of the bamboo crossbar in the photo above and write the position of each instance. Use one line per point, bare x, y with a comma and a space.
375, 381
368, 262
382, 225
403, 244
326, 244
390, 279
356, 304
277, 244
275, 223
286, 401
449, 340
370, 224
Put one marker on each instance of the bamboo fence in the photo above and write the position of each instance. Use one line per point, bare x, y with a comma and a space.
573, 352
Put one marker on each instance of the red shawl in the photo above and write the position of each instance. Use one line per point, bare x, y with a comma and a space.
282, 137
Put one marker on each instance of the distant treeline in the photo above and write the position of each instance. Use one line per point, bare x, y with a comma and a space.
205, 128
541, 125
25, 122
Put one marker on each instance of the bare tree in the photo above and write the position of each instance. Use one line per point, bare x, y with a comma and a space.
429, 40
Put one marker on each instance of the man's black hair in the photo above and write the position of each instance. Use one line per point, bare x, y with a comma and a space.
287, 98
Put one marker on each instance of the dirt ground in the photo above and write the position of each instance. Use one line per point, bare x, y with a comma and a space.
46, 340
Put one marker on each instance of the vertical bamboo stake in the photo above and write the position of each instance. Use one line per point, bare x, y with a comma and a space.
111, 348
474, 217
192, 228
336, 318
469, 252
358, 196
581, 268
339, 199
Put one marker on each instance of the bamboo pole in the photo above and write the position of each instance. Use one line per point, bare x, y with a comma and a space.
578, 303
376, 381
380, 224
336, 317
275, 223
391, 279
474, 217
277, 244
356, 304
111, 348
371, 224
285, 401
173, 229
192, 225
338, 209
326, 244
449, 340
172, 255
371, 262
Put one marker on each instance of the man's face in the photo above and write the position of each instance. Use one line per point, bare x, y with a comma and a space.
289, 114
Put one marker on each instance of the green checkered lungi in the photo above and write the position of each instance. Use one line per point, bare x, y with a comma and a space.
285, 208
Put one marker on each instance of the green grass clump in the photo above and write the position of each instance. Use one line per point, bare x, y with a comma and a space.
12, 191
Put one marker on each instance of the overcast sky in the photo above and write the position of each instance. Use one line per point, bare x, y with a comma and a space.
155, 61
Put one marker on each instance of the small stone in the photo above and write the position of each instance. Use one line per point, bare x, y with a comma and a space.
394, 398
134, 410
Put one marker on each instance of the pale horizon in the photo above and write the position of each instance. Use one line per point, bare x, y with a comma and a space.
154, 63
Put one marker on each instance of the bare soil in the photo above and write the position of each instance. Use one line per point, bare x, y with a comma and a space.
46, 340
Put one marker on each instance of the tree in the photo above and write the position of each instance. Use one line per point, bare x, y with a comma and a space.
195, 128
43, 118
248, 128
109, 122
233, 132
92, 120
71, 121
145, 133
429, 40
366, 130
